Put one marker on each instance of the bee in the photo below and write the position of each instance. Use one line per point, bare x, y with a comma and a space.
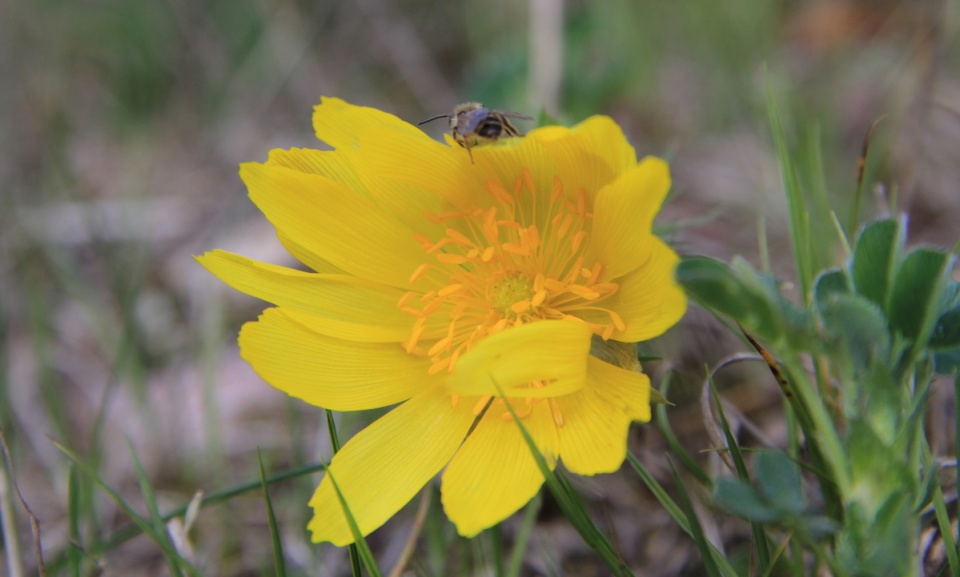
472, 123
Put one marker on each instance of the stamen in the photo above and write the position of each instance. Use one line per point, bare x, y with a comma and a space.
607, 332
502, 271
577, 240
538, 298
583, 292
422, 239
617, 321
515, 249
438, 366
415, 334
432, 307
419, 272
528, 179
441, 345
555, 411
447, 258
564, 226
458, 237
499, 193
405, 299
582, 202
438, 245
557, 190
450, 289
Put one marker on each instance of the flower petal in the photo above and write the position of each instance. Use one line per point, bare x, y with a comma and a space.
330, 372
554, 352
627, 390
334, 222
493, 474
649, 300
395, 159
596, 419
344, 125
343, 306
307, 256
623, 216
590, 155
381, 468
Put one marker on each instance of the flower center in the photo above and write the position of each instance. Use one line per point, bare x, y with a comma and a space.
509, 292
519, 258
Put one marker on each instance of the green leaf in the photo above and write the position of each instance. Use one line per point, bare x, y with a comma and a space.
743, 500
818, 527
713, 284
830, 282
878, 471
947, 362
860, 326
916, 295
778, 479
736, 291
946, 333
768, 310
874, 259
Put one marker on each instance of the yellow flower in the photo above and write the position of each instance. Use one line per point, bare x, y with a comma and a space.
439, 282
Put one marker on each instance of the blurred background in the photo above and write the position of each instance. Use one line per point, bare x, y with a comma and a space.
123, 122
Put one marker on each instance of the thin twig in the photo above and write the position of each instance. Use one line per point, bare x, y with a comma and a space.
415, 531
14, 563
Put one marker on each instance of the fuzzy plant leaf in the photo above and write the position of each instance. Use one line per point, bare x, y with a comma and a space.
778, 478
875, 258
741, 499
859, 326
917, 293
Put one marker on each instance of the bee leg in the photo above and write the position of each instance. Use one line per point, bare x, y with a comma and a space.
466, 144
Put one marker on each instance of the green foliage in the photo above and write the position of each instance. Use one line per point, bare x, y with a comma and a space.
882, 322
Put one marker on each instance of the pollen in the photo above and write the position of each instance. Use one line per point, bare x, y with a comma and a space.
522, 257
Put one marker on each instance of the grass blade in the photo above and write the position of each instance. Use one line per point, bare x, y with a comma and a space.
696, 531
126, 533
144, 525
363, 549
279, 566
335, 445
799, 219
523, 536
173, 560
663, 423
74, 553
570, 503
759, 535
676, 512
946, 531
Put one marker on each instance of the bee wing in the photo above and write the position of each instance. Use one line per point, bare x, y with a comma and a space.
468, 121
510, 114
